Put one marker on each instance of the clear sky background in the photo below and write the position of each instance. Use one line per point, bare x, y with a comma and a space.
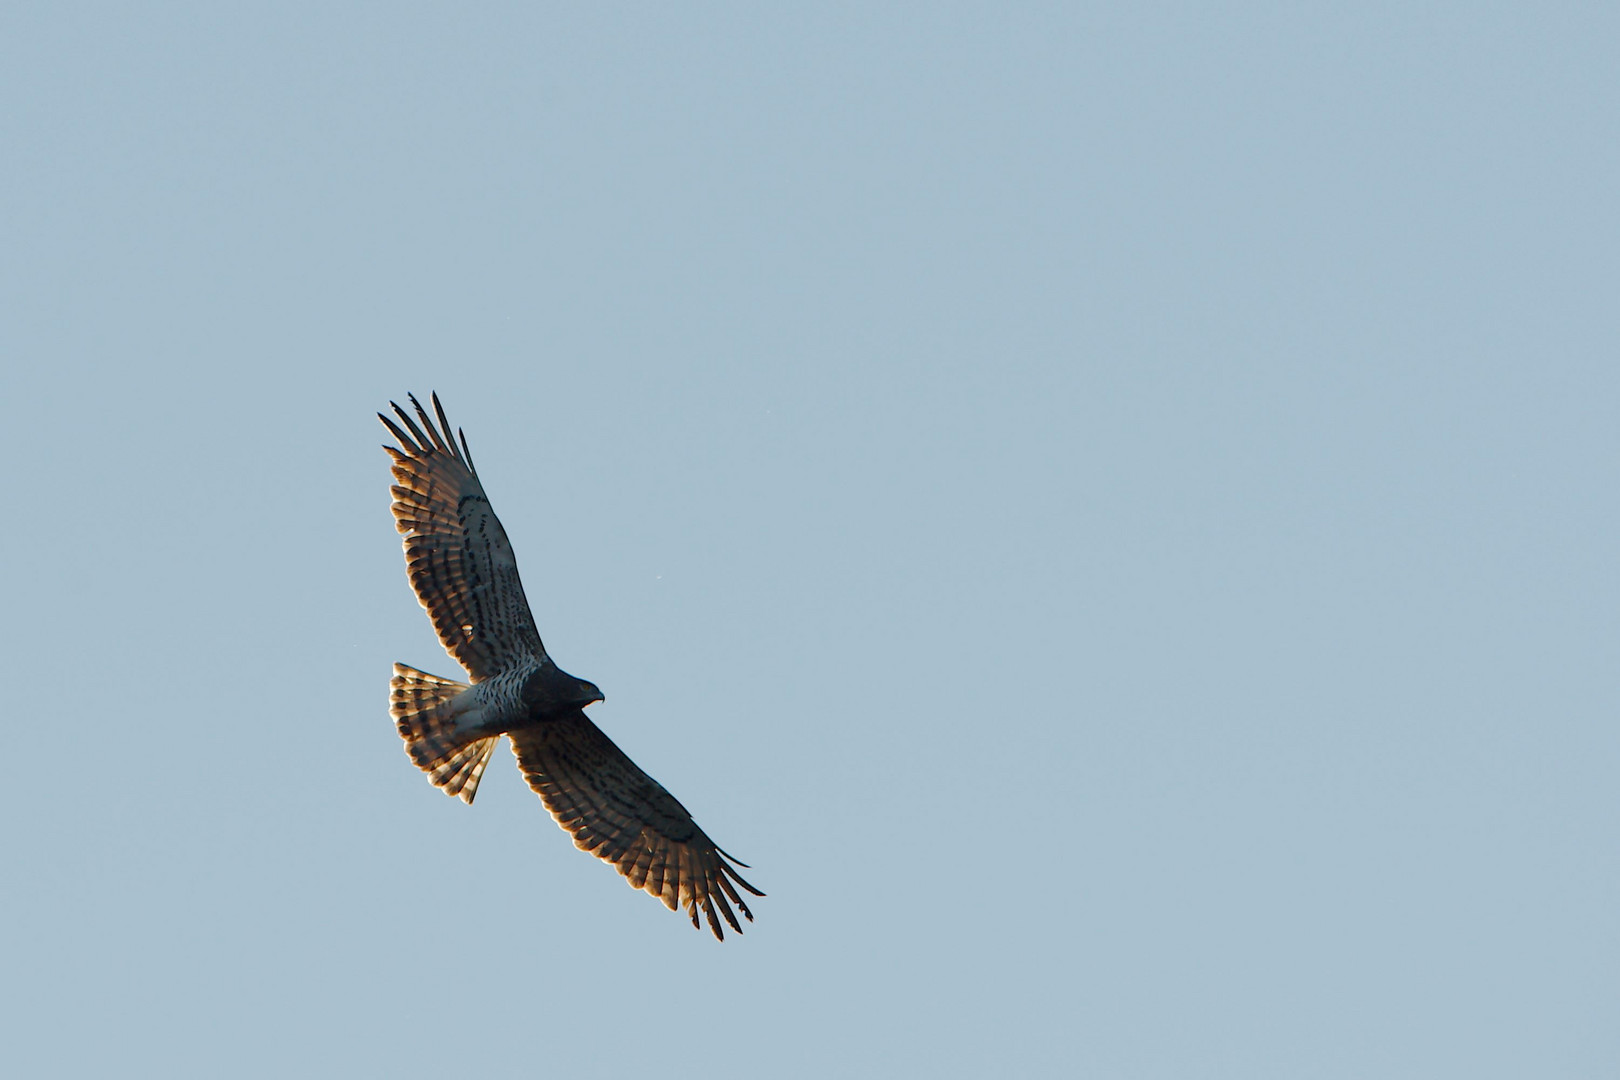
1110, 510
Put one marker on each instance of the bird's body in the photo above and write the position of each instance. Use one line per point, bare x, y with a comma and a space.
462, 569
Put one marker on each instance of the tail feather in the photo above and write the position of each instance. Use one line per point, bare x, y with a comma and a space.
426, 710
460, 773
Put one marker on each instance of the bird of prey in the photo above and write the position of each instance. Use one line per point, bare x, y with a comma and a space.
462, 569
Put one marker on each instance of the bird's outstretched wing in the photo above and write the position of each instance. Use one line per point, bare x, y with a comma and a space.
623, 816
460, 562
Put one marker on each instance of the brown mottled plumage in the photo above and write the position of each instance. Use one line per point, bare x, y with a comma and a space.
462, 569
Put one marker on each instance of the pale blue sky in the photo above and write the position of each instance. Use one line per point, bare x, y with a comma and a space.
1110, 510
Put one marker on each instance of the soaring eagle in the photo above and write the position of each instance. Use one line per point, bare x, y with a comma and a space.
462, 569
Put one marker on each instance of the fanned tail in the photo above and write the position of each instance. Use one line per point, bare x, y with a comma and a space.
425, 709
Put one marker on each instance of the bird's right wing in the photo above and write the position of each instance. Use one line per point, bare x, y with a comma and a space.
460, 562
623, 816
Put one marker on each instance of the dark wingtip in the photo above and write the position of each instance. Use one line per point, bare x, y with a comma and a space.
422, 444
437, 441
394, 429
727, 870
732, 857
444, 422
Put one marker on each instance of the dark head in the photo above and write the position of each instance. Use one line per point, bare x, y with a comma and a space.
551, 689
587, 692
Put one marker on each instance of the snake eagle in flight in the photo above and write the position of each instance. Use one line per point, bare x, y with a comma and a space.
463, 571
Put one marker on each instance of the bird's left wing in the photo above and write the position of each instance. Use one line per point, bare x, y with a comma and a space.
460, 562
623, 816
